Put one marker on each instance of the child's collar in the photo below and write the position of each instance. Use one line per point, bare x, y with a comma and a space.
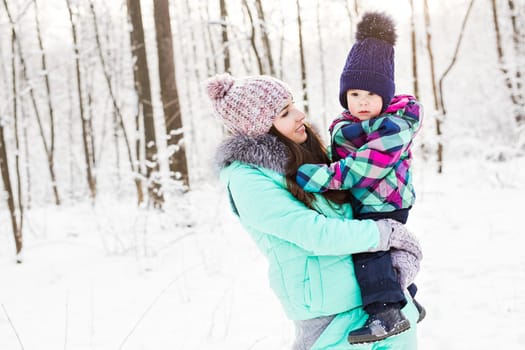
346, 115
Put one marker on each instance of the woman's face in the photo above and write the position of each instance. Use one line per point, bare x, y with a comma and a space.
363, 104
290, 123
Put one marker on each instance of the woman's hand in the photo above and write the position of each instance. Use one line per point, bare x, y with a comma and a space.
406, 265
403, 239
405, 249
394, 234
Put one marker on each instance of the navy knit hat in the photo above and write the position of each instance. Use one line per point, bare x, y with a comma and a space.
370, 63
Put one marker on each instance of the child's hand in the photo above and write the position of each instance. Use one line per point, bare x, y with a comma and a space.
313, 177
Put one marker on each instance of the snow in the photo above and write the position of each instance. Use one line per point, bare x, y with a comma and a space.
114, 276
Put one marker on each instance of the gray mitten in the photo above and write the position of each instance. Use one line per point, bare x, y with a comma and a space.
406, 266
394, 234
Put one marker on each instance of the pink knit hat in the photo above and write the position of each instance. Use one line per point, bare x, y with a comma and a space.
248, 106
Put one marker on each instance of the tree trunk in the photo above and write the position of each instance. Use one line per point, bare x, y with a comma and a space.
143, 88
50, 152
184, 56
88, 88
4, 163
281, 44
438, 117
265, 38
209, 46
70, 137
518, 40
193, 40
437, 89
356, 7
252, 37
322, 67
512, 81
224, 32
351, 13
17, 141
170, 97
27, 168
245, 55
17, 231
119, 120
415, 80
430, 52
303, 64
453, 61
87, 132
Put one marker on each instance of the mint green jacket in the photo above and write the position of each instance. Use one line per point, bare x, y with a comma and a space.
308, 252
310, 266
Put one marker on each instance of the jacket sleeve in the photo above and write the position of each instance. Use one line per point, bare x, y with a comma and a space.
267, 207
387, 139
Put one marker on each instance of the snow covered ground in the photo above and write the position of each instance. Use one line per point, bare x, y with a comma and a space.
116, 277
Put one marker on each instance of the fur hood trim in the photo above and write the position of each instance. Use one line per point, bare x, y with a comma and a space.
265, 151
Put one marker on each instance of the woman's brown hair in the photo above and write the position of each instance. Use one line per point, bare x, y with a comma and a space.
311, 151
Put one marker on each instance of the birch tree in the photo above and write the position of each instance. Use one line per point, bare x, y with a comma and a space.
209, 45
16, 214
302, 59
352, 10
4, 168
413, 43
512, 76
87, 130
437, 86
193, 41
321, 66
118, 114
265, 37
224, 36
253, 39
20, 209
49, 144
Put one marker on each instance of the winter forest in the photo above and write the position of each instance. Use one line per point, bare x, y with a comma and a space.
106, 155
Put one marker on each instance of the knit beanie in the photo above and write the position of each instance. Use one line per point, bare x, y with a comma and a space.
370, 63
249, 105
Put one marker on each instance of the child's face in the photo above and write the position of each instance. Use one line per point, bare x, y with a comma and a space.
290, 123
363, 104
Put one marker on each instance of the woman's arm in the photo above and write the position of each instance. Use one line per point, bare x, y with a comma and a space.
266, 206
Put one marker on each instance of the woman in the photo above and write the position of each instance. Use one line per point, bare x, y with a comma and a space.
308, 239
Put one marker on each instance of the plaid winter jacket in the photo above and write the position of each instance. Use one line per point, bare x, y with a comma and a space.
371, 158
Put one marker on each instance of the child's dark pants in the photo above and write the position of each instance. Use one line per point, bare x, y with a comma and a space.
375, 274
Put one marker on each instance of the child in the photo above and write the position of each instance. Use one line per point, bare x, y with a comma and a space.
370, 148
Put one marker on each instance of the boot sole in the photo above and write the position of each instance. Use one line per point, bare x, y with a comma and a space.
421, 310
363, 339
422, 315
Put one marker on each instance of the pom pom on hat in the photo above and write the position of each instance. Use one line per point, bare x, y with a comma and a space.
249, 105
376, 25
218, 87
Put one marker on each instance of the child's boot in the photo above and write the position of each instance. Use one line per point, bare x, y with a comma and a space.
379, 326
421, 310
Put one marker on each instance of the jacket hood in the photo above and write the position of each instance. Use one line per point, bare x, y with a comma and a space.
265, 151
